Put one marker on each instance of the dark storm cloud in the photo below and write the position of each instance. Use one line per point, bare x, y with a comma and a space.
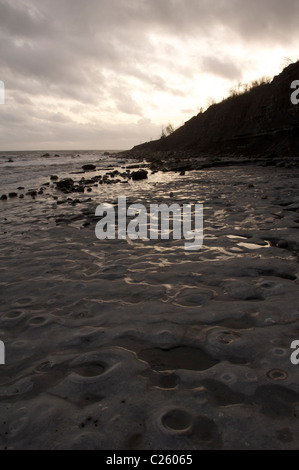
252, 20
54, 40
24, 20
98, 50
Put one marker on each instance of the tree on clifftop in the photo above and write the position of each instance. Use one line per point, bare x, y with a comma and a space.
169, 129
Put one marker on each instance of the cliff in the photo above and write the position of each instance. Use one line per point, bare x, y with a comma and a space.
261, 120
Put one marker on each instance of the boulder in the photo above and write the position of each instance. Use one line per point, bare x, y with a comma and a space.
65, 184
139, 175
88, 167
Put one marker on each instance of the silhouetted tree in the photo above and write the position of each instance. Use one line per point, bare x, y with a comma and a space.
169, 129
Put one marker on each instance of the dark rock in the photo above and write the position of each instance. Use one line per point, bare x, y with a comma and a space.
12, 195
139, 175
31, 192
113, 173
3, 197
53, 178
65, 184
20, 187
88, 167
91, 181
132, 167
21, 196
79, 189
46, 155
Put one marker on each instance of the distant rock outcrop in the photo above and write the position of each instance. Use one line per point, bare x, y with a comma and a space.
88, 167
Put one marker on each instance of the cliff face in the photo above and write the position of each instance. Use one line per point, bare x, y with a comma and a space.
260, 120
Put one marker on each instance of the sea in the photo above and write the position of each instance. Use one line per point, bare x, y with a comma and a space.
30, 168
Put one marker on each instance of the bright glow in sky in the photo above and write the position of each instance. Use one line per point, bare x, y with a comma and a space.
107, 74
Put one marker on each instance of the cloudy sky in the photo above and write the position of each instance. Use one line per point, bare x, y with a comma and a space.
107, 74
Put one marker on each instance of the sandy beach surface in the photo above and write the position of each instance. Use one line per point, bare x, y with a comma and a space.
115, 344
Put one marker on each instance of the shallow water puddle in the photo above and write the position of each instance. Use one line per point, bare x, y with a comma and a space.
236, 236
181, 357
253, 246
90, 370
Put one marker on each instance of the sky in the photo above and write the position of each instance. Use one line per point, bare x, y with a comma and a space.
108, 74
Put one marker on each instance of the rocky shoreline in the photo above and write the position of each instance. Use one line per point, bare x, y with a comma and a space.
193, 160
159, 161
